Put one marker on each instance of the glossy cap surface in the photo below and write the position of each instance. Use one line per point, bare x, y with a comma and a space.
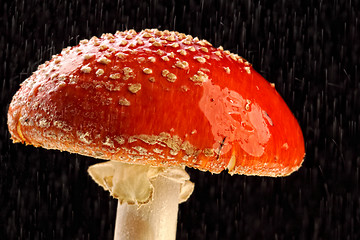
160, 98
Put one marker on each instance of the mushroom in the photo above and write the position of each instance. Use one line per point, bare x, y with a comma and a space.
153, 102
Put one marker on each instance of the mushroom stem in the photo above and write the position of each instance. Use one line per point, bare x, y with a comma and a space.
148, 197
156, 219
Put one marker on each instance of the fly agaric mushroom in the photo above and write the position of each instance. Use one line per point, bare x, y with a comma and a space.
152, 103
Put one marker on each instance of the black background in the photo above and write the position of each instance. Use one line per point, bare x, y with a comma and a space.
309, 49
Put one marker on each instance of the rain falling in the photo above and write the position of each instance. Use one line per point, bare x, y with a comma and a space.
309, 50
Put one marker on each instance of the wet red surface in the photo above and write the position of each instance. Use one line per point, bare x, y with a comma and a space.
185, 101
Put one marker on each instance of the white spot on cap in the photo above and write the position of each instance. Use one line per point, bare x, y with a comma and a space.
128, 73
217, 53
156, 44
181, 36
202, 42
164, 72
103, 47
107, 36
152, 59
247, 106
247, 69
96, 42
147, 71
182, 52
160, 33
84, 41
165, 58
134, 88
99, 72
160, 52
132, 31
115, 68
124, 102
171, 38
103, 60
168, 75
204, 49
141, 59
87, 56
115, 76
73, 79
206, 42
174, 45
123, 42
171, 77
200, 59
182, 64
120, 55
227, 70
199, 77
86, 69
234, 57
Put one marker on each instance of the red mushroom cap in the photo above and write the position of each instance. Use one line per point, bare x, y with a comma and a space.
161, 98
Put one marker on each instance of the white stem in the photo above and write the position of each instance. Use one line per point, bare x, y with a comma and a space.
155, 220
